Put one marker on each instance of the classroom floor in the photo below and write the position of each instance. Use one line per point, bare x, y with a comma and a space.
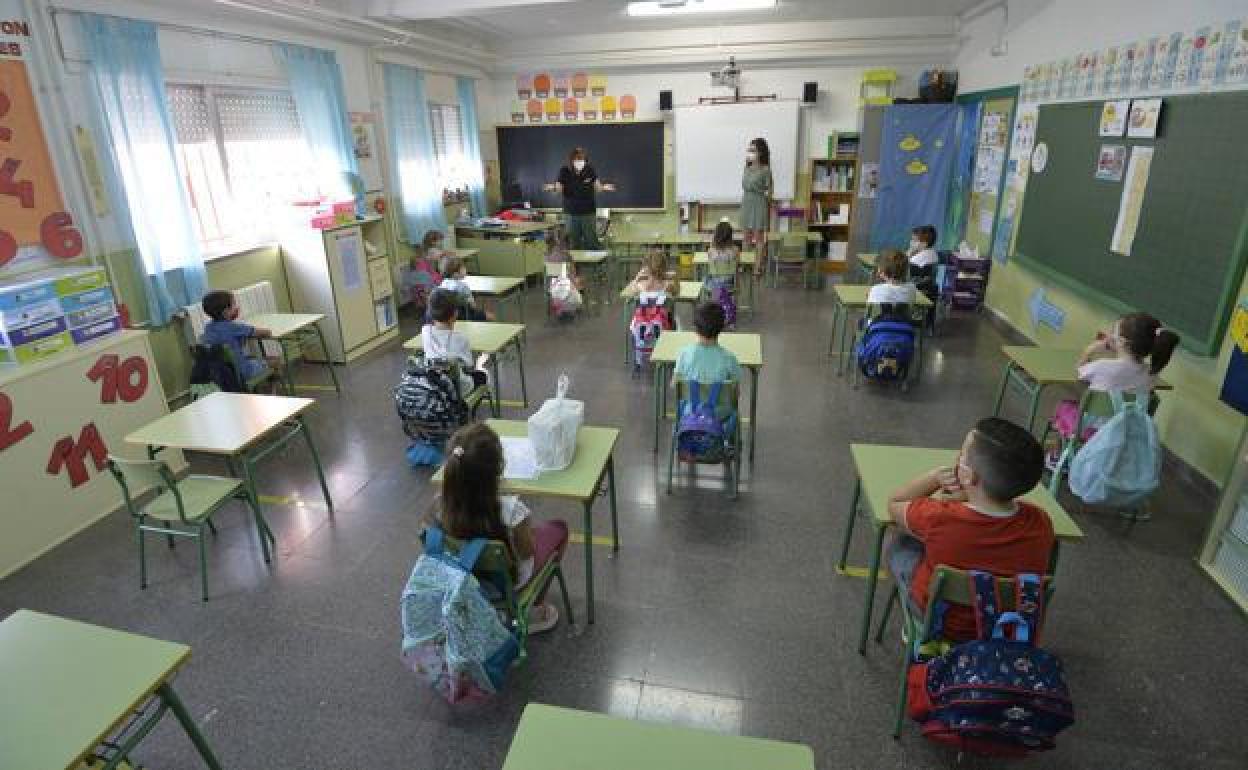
715, 614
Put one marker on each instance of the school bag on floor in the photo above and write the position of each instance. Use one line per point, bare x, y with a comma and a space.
722, 294
452, 636
565, 299
428, 401
886, 350
1121, 464
648, 322
700, 435
997, 695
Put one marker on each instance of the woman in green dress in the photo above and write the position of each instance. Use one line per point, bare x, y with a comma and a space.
756, 184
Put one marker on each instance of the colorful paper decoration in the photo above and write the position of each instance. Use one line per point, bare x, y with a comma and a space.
554, 108
541, 85
580, 85
570, 109
589, 108
534, 109
524, 86
598, 85
561, 85
517, 112
628, 106
608, 107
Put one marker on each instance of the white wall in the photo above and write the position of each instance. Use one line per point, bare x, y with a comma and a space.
1046, 30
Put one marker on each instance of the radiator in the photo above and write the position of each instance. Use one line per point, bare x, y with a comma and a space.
252, 301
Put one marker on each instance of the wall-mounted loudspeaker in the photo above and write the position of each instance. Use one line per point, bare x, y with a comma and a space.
810, 92
665, 100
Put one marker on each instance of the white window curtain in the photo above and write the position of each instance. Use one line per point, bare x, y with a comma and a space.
412, 160
474, 171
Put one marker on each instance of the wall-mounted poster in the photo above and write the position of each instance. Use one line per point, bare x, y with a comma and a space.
1110, 162
1145, 113
362, 134
1114, 117
869, 185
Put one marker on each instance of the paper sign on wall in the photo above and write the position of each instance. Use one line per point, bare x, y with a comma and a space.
1132, 200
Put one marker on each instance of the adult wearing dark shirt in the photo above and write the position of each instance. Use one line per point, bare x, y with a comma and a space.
578, 182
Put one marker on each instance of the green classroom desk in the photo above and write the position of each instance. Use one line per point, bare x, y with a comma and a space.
68, 686
1032, 368
295, 328
747, 347
853, 298
509, 230
550, 738
580, 482
469, 256
499, 288
238, 427
882, 469
489, 337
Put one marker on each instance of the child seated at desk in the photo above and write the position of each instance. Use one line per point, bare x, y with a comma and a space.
653, 277
1127, 358
563, 284
976, 522
442, 343
706, 361
454, 273
924, 260
557, 253
421, 276
224, 328
471, 506
721, 271
893, 291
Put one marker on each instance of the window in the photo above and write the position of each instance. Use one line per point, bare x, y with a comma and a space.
448, 148
243, 158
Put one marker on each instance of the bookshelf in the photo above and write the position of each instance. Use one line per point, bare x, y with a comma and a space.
833, 182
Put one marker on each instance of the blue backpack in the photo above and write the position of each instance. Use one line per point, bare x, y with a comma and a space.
700, 435
998, 695
452, 636
886, 350
1121, 464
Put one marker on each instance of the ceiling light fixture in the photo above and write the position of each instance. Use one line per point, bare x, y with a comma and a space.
673, 7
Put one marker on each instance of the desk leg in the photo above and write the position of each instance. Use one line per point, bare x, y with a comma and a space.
849, 525
333, 375
287, 377
836, 322
753, 413
615, 519
589, 558
188, 724
524, 388
873, 576
658, 415
843, 364
262, 525
1036, 392
498, 388
1005, 381
316, 460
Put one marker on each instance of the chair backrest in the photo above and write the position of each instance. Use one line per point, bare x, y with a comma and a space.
495, 562
139, 477
792, 247
953, 586
727, 394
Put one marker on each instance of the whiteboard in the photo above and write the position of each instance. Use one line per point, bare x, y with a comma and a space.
710, 148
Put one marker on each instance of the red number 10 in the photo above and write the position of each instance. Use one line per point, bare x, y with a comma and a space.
127, 379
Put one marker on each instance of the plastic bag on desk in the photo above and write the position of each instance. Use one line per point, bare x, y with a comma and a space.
553, 429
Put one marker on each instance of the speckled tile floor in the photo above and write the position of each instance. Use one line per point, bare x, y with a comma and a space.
715, 614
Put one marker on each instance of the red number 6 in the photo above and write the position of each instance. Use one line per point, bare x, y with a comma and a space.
59, 237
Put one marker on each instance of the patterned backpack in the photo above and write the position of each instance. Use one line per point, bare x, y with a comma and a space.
648, 322
722, 293
428, 401
452, 636
995, 696
700, 435
886, 349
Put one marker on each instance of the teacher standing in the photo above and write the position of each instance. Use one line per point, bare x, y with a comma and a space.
756, 187
579, 184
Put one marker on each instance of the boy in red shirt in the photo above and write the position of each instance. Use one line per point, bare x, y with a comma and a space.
976, 523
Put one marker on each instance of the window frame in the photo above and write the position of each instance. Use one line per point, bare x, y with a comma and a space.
453, 191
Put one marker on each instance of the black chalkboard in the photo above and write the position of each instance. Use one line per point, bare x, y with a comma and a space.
628, 154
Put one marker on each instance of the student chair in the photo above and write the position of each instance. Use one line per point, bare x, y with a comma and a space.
494, 571
791, 257
180, 508
948, 586
1093, 405
725, 407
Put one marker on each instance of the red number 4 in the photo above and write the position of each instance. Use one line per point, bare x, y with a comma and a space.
24, 190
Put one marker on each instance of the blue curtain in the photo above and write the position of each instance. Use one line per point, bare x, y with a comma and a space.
411, 151
916, 158
139, 160
316, 85
963, 169
467, 89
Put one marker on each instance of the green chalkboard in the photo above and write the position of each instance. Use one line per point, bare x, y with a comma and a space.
1187, 262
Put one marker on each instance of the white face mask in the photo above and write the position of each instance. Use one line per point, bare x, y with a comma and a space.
915, 246
751, 156
579, 165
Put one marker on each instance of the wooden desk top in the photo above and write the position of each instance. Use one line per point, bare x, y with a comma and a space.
221, 423
483, 336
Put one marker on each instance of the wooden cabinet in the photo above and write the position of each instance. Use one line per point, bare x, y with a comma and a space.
830, 210
344, 273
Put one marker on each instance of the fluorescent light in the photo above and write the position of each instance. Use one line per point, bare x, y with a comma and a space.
672, 7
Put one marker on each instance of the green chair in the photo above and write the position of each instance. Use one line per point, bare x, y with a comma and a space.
952, 587
1093, 405
791, 257
179, 508
265, 377
725, 406
494, 571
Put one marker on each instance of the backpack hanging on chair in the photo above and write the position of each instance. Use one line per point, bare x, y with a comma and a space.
211, 366
649, 320
700, 435
999, 695
723, 293
428, 400
886, 350
452, 636
1121, 464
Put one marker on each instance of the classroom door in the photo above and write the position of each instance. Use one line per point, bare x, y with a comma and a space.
991, 147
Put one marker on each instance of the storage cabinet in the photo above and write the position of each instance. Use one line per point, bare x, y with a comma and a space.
343, 272
1225, 554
